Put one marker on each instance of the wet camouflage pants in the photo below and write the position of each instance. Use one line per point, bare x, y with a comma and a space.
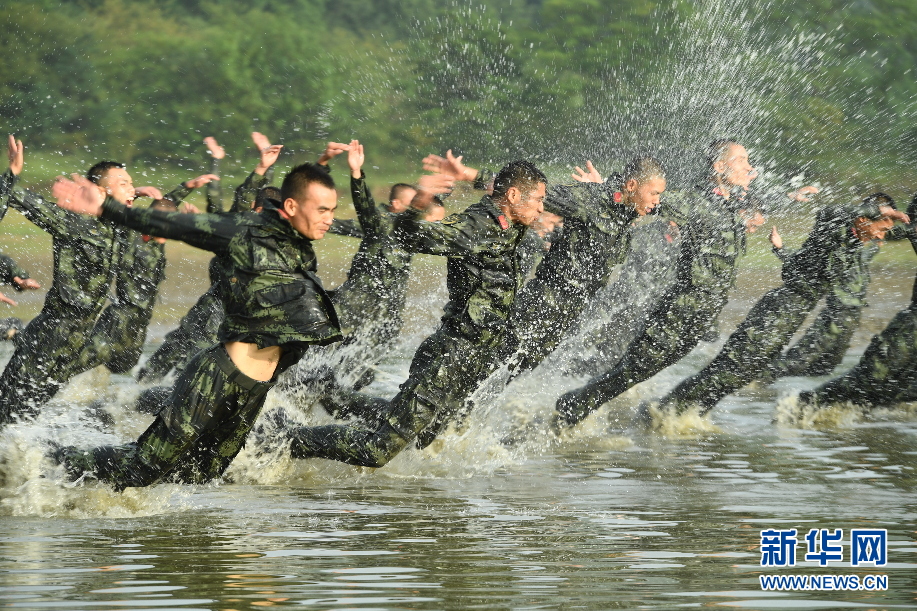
749, 351
197, 331
674, 328
117, 339
443, 374
194, 439
886, 373
823, 345
43, 360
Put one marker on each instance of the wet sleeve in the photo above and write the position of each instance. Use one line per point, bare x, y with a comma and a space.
9, 269
365, 205
455, 236
7, 182
247, 192
214, 189
571, 201
349, 228
211, 232
41, 212
178, 194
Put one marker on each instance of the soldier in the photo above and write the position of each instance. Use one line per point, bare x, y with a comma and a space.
483, 279
823, 345
830, 260
198, 329
597, 219
18, 278
87, 254
887, 372
275, 309
713, 221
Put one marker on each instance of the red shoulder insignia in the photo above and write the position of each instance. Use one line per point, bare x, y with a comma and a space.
503, 222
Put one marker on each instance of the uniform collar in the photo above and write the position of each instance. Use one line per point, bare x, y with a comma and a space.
496, 214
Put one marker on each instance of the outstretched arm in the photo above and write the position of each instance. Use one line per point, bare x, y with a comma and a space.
214, 190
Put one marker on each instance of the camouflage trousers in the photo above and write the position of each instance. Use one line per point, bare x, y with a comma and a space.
116, 340
197, 331
46, 351
209, 414
886, 373
674, 328
823, 345
443, 374
749, 351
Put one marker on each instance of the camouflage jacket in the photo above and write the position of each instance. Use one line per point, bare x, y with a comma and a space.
713, 239
214, 189
907, 232
349, 228
832, 259
267, 280
87, 250
9, 269
594, 239
246, 193
483, 271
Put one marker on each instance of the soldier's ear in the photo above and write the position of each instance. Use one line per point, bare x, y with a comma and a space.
631, 185
290, 206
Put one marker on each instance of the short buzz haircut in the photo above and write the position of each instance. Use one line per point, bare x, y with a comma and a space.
398, 190
717, 149
96, 173
642, 169
520, 174
297, 181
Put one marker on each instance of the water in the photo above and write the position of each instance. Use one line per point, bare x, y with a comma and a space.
612, 517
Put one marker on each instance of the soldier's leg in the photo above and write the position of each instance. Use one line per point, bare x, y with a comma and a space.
823, 345
211, 409
343, 403
888, 367
748, 352
40, 365
674, 329
196, 331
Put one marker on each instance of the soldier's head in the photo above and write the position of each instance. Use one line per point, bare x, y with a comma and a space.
113, 180
436, 212
868, 228
519, 190
642, 182
268, 197
400, 196
308, 200
727, 164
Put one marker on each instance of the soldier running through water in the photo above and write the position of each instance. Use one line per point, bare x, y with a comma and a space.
830, 260
275, 309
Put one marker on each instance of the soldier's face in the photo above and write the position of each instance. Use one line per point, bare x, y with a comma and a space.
312, 217
734, 167
645, 196
525, 208
117, 183
867, 230
435, 214
403, 202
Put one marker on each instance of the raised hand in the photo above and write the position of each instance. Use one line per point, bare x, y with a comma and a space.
151, 192
775, 238
15, 155
450, 165
26, 283
5, 299
897, 215
200, 181
802, 195
331, 151
77, 194
589, 175
355, 158
261, 141
216, 151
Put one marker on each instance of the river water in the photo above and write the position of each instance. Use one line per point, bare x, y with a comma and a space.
613, 516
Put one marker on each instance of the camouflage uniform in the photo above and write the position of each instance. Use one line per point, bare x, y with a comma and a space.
887, 372
9, 269
830, 261
198, 329
483, 279
712, 242
824, 344
272, 297
87, 253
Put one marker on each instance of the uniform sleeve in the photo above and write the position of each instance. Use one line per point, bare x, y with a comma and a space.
214, 189
572, 201
211, 232
178, 194
454, 236
44, 214
7, 182
365, 205
247, 192
349, 228
9, 269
